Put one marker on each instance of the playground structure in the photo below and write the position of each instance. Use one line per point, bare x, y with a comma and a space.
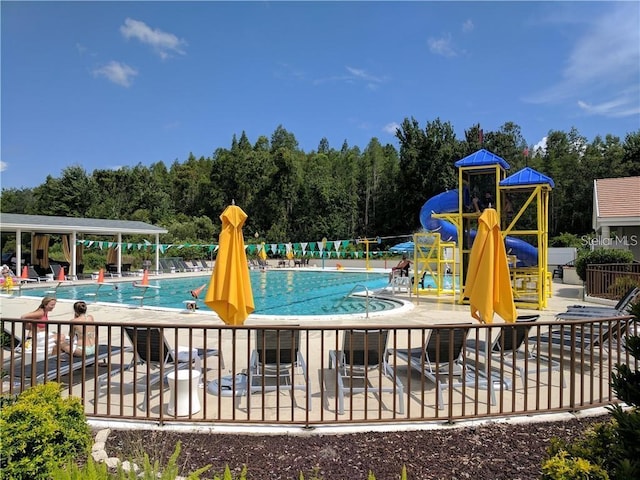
522, 203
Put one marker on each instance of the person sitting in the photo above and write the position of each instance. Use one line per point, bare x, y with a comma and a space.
37, 327
402, 269
81, 339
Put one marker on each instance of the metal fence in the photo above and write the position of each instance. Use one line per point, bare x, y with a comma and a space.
612, 280
311, 376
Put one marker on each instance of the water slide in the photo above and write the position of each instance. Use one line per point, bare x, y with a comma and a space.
447, 202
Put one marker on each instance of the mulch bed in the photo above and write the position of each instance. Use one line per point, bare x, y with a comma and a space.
486, 452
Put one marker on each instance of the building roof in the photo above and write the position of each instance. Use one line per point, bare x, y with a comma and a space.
616, 202
617, 197
12, 222
482, 158
527, 176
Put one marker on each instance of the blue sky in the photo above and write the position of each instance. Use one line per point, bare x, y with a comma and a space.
112, 84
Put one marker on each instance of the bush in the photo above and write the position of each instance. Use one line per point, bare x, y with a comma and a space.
40, 431
610, 449
564, 467
599, 257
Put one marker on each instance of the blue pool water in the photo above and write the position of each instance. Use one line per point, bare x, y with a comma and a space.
284, 292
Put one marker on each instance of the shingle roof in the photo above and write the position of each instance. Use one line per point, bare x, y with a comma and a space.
617, 197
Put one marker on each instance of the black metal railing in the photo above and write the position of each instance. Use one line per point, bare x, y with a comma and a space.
612, 280
318, 375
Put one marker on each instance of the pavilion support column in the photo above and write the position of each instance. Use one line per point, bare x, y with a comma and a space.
73, 270
157, 268
18, 252
119, 249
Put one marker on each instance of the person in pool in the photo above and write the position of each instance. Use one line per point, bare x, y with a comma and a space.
195, 294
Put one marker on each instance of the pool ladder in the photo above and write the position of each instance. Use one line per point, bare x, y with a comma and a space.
359, 286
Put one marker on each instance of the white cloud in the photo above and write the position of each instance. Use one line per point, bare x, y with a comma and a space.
355, 76
601, 72
442, 46
541, 146
3, 166
625, 104
162, 42
116, 72
468, 26
391, 128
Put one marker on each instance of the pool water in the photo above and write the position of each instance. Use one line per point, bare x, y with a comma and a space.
284, 292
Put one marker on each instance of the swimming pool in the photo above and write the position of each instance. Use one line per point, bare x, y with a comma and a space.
275, 292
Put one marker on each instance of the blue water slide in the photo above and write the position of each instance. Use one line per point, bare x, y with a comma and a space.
447, 202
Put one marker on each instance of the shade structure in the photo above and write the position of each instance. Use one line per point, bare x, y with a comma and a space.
488, 283
229, 293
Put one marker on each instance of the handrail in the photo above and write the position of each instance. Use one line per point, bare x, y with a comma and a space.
359, 285
563, 366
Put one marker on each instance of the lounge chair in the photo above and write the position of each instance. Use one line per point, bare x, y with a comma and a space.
363, 352
584, 338
153, 357
204, 265
277, 364
35, 276
55, 269
19, 366
165, 267
441, 361
621, 308
510, 350
56, 367
184, 266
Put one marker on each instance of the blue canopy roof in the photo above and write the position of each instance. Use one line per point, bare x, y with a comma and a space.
526, 176
481, 158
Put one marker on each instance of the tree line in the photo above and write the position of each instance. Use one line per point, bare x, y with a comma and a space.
290, 195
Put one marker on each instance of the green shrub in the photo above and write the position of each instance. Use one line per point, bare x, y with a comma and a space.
599, 257
566, 240
564, 467
622, 284
609, 449
40, 431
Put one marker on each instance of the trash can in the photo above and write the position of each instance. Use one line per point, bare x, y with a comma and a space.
179, 381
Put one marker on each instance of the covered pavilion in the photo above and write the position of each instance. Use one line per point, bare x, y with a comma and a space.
76, 228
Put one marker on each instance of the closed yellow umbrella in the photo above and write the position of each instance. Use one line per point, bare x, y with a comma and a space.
229, 293
488, 283
263, 252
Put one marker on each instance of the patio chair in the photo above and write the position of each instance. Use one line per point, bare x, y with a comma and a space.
510, 350
56, 367
441, 360
154, 357
165, 267
585, 338
364, 352
621, 308
55, 269
277, 364
32, 274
